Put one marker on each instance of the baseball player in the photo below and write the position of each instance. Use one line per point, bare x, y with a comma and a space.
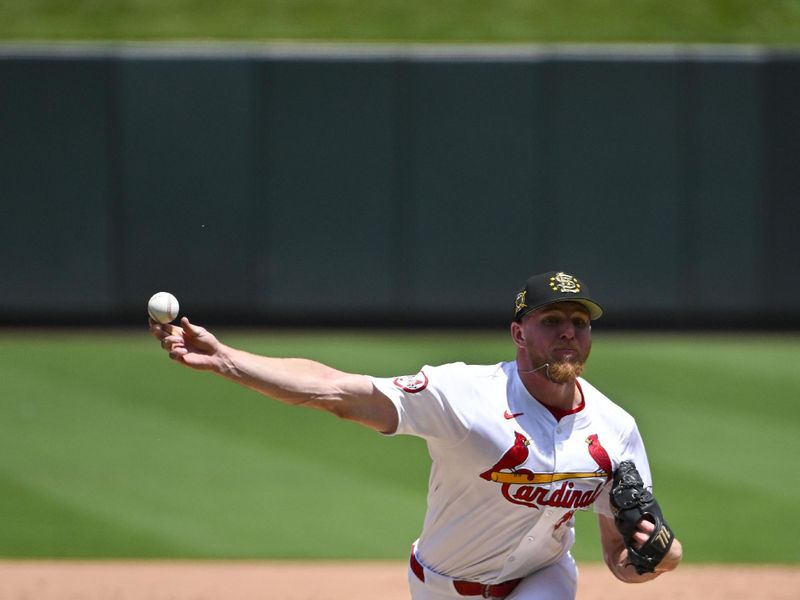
517, 448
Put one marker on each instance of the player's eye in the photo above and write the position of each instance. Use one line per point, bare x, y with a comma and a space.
579, 323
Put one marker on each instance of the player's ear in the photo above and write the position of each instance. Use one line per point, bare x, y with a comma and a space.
517, 335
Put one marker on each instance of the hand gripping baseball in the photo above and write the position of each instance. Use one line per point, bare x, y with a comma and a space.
631, 503
190, 344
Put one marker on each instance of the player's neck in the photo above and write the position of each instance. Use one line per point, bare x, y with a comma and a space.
563, 396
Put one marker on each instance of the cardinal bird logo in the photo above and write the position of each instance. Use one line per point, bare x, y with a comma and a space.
572, 490
599, 454
514, 457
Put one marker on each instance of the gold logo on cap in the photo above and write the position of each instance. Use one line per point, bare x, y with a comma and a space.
519, 303
564, 283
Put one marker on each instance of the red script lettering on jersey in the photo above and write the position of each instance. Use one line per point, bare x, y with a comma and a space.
564, 496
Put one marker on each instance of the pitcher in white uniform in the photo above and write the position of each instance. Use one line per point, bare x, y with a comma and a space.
516, 447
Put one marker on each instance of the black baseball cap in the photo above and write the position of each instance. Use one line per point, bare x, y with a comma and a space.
554, 286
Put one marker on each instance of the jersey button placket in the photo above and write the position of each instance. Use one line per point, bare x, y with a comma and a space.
558, 447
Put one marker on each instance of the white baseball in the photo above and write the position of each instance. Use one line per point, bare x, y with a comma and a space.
163, 307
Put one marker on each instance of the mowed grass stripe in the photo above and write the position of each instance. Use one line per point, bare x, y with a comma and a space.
199, 493
101, 434
179, 475
395, 20
94, 427
37, 525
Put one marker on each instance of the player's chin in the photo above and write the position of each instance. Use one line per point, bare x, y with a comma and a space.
565, 371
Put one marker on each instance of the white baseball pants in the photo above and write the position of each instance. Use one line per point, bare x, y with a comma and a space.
559, 581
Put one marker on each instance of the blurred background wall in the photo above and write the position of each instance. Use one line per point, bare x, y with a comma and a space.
398, 185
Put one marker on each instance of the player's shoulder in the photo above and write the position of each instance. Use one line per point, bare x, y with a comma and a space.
464, 378
603, 407
470, 371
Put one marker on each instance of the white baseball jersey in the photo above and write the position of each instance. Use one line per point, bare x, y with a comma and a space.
507, 475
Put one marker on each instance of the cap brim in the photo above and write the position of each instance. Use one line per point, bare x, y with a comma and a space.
594, 309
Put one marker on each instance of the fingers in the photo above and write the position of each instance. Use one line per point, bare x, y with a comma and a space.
171, 342
645, 530
188, 344
646, 526
170, 336
191, 329
159, 331
177, 352
154, 328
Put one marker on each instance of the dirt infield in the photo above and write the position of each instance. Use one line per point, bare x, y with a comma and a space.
112, 580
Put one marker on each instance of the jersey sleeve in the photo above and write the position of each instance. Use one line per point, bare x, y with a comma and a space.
428, 403
632, 449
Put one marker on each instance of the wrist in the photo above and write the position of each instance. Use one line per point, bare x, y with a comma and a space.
226, 363
672, 559
626, 572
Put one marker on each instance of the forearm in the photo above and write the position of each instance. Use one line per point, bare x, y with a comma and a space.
295, 381
615, 554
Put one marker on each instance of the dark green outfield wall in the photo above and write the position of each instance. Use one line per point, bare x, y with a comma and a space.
397, 185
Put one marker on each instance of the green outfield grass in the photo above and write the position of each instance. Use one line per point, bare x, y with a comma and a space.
107, 449
680, 21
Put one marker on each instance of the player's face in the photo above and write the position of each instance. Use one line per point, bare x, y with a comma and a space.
559, 335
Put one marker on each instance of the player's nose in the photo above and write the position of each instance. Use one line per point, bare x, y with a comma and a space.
567, 331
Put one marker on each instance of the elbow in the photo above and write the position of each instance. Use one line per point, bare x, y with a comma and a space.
329, 397
325, 402
338, 409
336, 395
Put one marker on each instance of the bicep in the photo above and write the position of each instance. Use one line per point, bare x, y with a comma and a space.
361, 402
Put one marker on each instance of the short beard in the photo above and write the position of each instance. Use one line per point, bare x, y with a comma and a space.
564, 372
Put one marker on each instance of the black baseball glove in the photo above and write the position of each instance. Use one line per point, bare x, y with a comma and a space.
631, 503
